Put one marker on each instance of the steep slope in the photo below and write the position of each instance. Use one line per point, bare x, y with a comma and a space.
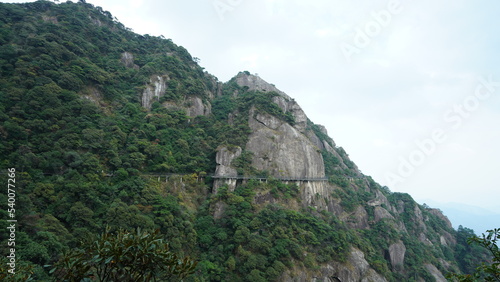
389, 232
106, 127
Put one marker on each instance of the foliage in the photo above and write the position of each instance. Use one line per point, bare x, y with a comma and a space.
124, 256
246, 240
89, 155
486, 271
23, 271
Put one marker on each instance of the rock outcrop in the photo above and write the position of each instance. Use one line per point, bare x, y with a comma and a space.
381, 213
224, 159
397, 255
254, 82
154, 90
359, 219
441, 216
281, 149
435, 272
355, 269
127, 60
197, 108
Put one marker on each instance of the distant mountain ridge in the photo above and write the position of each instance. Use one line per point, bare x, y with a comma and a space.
477, 218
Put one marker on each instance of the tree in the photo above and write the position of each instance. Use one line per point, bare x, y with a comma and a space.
124, 256
486, 271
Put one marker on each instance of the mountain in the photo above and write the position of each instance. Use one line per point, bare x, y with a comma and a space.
108, 128
477, 218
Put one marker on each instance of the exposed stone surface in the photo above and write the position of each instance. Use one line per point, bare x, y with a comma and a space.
93, 95
224, 158
355, 269
281, 149
322, 128
154, 90
335, 153
127, 60
445, 263
447, 239
314, 139
379, 200
419, 218
253, 82
441, 216
313, 194
435, 272
442, 240
289, 105
358, 219
400, 206
381, 213
219, 209
402, 227
282, 103
422, 238
197, 108
397, 255
50, 19
97, 22
299, 115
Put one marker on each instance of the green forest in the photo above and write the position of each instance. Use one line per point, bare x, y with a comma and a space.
91, 163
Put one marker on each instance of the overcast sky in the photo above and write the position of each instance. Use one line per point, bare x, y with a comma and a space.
410, 89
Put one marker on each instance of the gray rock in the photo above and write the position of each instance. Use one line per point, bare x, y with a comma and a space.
435, 272
281, 149
397, 255
359, 219
224, 158
197, 108
420, 218
381, 213
154, 90
355, 269
253, 82
422, 238
379, 200
447, 239
127, 60
441, 216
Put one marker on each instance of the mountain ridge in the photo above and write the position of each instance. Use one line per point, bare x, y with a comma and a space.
82, 95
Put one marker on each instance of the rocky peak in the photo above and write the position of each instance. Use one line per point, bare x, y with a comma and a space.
441, 216
254, 82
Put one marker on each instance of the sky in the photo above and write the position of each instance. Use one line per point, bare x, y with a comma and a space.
410, 89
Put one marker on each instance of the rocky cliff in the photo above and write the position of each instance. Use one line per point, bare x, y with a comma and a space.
295, 150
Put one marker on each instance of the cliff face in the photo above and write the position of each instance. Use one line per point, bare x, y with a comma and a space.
281, 149
155, 89
296, 150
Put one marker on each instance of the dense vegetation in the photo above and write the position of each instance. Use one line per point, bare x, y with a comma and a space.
88, 155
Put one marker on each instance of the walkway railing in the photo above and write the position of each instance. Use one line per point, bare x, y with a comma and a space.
242, 177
